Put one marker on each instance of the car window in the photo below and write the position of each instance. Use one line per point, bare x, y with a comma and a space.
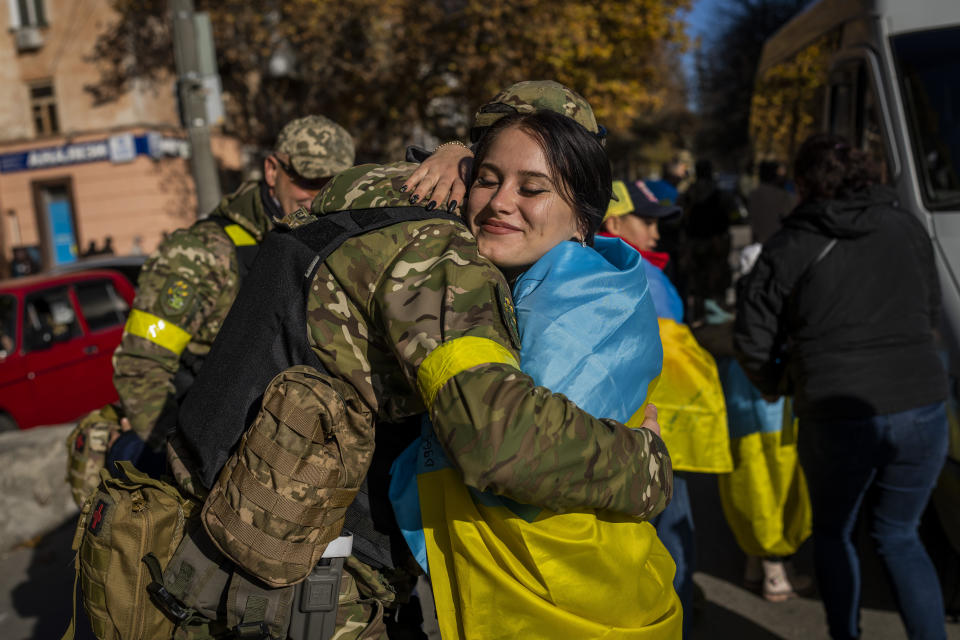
101, 305
8, 325
48, 318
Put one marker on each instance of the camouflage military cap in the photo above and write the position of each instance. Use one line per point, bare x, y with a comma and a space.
366, 186
532, 96
318, 147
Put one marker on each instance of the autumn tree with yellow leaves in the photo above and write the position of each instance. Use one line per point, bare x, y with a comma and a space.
399, 71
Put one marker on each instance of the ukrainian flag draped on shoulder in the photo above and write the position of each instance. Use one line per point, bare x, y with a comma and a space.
505, 570
689, 398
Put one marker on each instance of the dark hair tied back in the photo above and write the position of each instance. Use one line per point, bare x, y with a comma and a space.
828, 168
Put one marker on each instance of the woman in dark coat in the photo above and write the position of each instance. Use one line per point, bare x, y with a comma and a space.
841, 310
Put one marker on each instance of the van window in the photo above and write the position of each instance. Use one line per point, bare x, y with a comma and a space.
48, 318
788, 100
854, 111
8, 325
928, 63
101, 305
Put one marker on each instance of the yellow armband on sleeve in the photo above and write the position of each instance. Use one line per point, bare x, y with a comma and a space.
157, 330
456, 356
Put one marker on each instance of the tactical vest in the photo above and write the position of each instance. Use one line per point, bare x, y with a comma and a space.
264, 334
245, 248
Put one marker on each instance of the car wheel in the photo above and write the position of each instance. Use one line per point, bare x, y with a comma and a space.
7, 423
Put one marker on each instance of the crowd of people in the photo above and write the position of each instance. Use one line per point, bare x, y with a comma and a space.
474, 378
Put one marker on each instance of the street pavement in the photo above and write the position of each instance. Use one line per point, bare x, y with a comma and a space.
36, 580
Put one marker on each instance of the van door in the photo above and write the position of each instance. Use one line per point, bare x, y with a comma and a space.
928, 65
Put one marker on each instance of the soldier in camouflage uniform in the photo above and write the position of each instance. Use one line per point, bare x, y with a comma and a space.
414, 319
440, 177
187, 287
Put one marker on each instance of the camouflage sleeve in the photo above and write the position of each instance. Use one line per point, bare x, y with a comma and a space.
180, 291
448, 314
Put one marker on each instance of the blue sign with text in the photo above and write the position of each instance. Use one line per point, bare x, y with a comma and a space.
120, 148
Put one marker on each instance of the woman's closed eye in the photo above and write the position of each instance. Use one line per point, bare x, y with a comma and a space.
532, 190
485, 181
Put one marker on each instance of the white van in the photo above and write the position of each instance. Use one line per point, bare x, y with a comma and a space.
885, 74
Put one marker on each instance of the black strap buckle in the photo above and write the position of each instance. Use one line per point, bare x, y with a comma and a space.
159, 595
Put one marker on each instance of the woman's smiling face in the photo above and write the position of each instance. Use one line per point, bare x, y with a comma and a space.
516, 208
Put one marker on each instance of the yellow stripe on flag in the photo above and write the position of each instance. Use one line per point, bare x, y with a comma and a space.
581, 574
690, 405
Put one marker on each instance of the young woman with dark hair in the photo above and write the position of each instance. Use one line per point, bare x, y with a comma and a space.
587, 328
841, 308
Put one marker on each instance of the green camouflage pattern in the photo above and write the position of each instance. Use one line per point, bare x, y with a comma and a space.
324, 434
316, 146
360, 608
200, 264
87, 451
532, 96
365, 186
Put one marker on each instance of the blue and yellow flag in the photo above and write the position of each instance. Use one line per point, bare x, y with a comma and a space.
501, 569
689, 397
764, 499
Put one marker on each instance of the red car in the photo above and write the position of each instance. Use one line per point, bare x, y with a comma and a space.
57, 337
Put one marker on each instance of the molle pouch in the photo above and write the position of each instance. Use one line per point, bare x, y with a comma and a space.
87, 451
216, 599
282, 495
124, 523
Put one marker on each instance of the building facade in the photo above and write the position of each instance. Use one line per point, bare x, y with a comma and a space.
76, 175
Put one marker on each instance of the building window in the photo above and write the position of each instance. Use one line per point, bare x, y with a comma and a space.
27, 13
43, 107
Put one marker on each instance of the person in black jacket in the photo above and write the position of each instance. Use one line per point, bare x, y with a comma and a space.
840, 310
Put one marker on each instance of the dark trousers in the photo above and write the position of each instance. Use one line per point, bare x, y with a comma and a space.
897, 457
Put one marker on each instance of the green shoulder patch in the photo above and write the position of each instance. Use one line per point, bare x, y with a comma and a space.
176, 296
509, 314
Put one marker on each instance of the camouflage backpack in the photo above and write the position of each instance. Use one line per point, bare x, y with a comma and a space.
277, 507
283, 494
87, 450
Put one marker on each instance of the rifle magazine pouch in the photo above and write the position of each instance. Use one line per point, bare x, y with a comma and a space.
282, 495
87, 451
126, 520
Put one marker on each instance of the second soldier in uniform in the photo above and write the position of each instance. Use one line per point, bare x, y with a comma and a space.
187, 286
